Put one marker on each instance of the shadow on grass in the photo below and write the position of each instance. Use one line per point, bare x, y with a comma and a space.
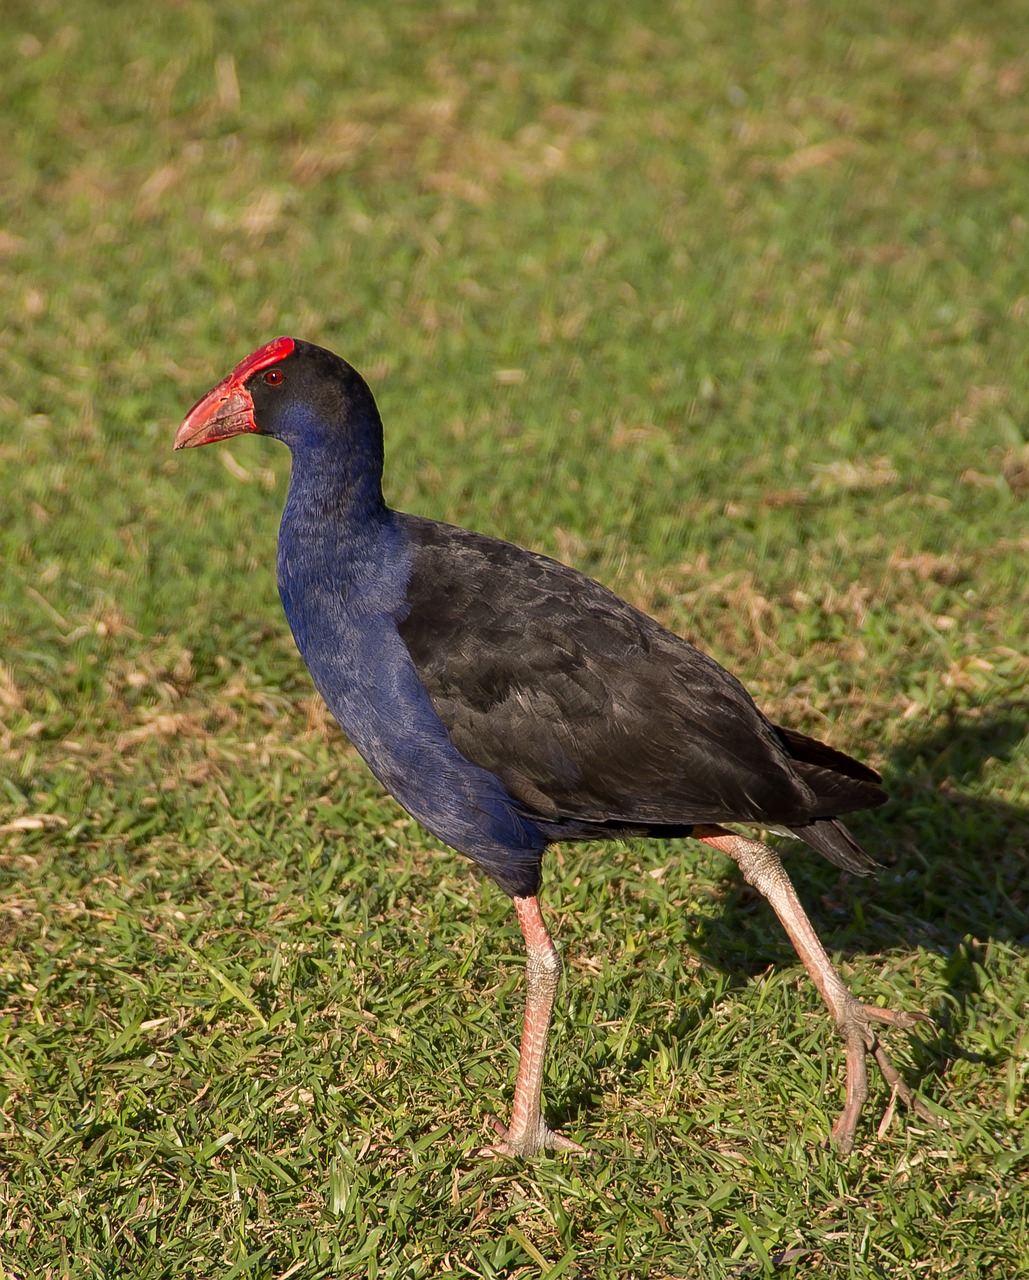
955, 878
955, 865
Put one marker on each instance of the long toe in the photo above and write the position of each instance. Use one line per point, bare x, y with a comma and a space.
857, 1026
528, 1144
895, 1017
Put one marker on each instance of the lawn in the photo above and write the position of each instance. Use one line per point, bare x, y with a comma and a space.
725, 304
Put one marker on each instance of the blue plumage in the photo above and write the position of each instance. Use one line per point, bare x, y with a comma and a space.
343, 597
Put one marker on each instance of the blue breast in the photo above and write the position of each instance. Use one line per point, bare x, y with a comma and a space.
343, 591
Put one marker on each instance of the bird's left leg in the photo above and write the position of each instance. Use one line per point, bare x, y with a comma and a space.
528, 1133
762, 868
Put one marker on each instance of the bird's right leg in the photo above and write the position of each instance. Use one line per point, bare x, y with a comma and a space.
762, 868
528, 1133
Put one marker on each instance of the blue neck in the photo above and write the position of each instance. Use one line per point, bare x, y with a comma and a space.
337, 471
341, 556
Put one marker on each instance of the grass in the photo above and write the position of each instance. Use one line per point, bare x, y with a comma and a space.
722, 304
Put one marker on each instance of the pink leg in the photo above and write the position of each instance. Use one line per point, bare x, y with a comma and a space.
763, 869
528, 1134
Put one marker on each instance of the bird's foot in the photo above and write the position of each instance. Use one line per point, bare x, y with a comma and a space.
856, 1027
531, 1141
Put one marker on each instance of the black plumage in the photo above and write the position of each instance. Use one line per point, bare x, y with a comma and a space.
599, 722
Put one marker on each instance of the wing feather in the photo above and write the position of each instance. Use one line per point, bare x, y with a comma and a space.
596, 718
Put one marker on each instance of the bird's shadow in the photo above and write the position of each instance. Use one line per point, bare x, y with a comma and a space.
954, 879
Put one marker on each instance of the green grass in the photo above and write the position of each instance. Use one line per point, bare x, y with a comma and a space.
724, 304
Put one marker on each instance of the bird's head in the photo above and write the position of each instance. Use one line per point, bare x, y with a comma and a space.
301, 394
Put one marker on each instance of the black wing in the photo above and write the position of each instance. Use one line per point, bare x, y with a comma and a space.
596, 719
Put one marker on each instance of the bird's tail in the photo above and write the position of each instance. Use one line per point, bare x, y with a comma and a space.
840, 784
830, 838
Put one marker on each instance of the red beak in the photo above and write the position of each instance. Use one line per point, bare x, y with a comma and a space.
225, 411
228, 409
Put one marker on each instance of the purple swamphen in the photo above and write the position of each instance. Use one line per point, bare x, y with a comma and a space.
507, 701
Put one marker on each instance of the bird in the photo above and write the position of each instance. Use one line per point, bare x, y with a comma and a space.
508, 702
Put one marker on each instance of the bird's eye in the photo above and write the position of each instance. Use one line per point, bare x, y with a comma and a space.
273, 377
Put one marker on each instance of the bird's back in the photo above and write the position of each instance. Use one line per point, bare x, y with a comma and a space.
597, 720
